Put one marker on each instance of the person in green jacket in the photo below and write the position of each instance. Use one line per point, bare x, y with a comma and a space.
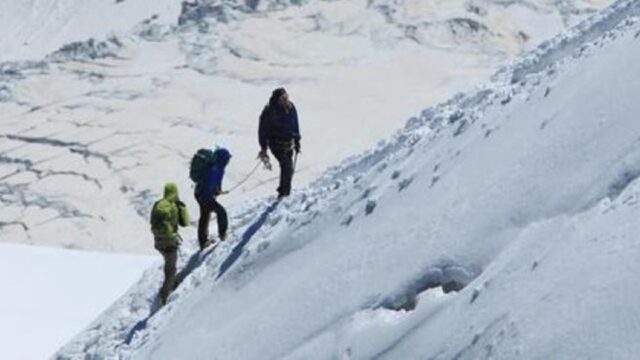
167, 214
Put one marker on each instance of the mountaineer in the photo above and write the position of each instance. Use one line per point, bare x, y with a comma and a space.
279, 131
166, 215
207, 171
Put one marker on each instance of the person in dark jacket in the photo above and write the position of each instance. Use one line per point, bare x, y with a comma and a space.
206, 193
166, 215
279, 131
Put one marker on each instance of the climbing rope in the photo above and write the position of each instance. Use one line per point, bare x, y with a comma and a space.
267, 165
245, 178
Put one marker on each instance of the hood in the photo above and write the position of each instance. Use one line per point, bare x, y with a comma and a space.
171, 191
273, 100
222, 157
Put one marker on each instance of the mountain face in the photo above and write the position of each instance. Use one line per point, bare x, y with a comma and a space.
101, 102
500, 224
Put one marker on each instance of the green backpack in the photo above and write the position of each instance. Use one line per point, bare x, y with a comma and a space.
201, 162
164, 219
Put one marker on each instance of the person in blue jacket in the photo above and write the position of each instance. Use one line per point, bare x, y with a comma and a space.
206, 193
279, 131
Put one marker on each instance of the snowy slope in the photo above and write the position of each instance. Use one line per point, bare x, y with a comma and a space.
90, 133
35, 28
520, 201
50, 294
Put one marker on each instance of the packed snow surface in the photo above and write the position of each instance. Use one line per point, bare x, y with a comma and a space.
501, 224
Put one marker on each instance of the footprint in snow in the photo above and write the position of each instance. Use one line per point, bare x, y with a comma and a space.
402, 185
370, 207
544, 124
347, 220
434, 180
263, 246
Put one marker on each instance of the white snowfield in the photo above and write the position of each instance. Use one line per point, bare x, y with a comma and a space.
131, 89
502, 224
50, 294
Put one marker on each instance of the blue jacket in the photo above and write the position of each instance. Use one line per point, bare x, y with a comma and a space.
278, 125
211, 184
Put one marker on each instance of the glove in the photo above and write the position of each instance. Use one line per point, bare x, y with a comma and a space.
262, 155
296, 146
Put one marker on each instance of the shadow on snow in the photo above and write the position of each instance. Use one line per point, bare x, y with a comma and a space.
248, 234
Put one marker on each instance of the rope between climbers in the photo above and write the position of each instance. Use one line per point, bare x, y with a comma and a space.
245, 178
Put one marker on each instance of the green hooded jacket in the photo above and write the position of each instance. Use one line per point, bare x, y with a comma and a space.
167, 214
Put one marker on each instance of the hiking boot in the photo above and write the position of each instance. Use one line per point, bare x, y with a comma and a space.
282, 196
206, 244
163, 299
223, 237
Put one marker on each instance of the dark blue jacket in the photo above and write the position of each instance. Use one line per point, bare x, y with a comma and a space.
278, 125
211, 184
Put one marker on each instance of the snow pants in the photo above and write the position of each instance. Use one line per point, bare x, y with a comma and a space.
207, 206
170, 256
285, 160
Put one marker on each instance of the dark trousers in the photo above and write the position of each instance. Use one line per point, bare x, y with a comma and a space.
206, 208
170, 256
285, 159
